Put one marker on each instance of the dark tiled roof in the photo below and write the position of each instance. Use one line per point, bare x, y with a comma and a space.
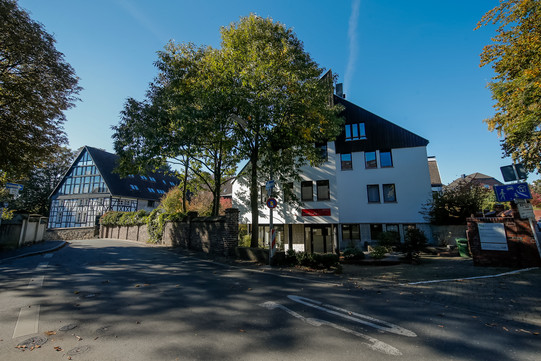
380, 133
479, 178
120, 187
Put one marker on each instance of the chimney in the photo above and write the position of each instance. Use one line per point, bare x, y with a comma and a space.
340, 90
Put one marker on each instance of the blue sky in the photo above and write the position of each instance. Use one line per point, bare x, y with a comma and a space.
415, 63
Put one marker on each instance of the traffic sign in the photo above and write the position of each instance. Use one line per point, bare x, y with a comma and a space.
14, 188
513, 172
269, 184
272, 203
525, 209
511, 192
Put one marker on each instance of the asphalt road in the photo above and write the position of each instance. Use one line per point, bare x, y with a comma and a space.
117, 300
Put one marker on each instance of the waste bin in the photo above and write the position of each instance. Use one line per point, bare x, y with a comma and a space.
462, 245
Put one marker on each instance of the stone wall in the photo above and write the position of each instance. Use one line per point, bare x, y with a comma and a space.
68, 234
132, 233
216, 235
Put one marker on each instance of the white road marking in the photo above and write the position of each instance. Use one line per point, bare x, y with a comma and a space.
471, 278
36, 282
41, 266
372, 343
28, 320
372, 322
27, 323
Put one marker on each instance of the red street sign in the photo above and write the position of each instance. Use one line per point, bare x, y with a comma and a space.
272, 203
316, 212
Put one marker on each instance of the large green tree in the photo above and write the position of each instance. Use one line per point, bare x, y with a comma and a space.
282, 107
458, 202
515, 55
183, 120
260, 98
36, 87
41, 181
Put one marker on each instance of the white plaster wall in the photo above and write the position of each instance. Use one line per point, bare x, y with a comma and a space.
349, 202
285, 214
142, 204
412, 183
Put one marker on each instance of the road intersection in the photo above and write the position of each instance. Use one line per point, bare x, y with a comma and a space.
128, 301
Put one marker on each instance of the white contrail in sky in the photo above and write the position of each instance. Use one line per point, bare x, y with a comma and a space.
352, 37
143, 20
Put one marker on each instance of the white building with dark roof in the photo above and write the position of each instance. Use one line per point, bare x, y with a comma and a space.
91, 187
375, 178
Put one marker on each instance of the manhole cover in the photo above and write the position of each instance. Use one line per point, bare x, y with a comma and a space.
32, 342
78, 350
71, 326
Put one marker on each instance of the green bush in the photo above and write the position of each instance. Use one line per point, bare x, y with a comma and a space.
175, 217
378, 252
114, 218
133, 218
286, 259
111, 218
317, 260
291, 257
156, 224
353, 254
415, 242
389, 240
245, 241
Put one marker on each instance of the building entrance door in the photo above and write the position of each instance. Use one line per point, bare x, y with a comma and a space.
318, 238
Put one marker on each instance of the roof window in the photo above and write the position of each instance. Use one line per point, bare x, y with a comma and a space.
134, 187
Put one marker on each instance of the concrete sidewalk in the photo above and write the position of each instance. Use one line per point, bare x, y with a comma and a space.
31, 250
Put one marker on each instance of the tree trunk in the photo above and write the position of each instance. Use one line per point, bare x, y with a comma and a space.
185, 184
216, 192
254, 200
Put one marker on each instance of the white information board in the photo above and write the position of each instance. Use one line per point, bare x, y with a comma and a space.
492, 236
525, 209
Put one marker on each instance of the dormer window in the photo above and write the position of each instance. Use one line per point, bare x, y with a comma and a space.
355, 131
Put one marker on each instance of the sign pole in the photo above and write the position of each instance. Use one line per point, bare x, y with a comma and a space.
535, 237
270, 186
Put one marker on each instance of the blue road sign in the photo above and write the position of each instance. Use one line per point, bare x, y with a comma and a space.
14, 186
510, 192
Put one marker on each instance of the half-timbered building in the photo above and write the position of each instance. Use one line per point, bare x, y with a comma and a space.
91, 187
